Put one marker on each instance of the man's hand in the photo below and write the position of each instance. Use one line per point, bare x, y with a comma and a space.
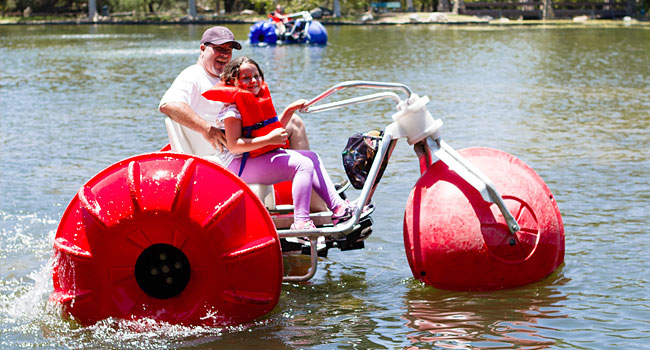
181, 113
215, 137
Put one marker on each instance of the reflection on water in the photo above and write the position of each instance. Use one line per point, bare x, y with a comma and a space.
502, 319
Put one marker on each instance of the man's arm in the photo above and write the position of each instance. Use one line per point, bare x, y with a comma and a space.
181, 113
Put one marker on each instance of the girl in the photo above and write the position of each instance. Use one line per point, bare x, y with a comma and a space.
254, 136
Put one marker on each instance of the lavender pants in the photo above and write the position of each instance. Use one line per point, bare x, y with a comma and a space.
303, 167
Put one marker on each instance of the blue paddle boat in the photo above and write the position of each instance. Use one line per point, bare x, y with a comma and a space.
295, 28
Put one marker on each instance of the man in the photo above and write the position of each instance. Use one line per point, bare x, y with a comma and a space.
184, 104
279, 18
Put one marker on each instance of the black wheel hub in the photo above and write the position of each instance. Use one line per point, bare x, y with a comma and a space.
162, 271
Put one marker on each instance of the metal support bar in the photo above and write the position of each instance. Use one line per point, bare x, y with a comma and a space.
313, 254
474, 177
414, 122
383, 153
386, 147
424, 155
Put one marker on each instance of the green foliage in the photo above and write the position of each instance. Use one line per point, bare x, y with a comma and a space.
300, 5
147, 7
49, 6
645, 8
425, 5
140, 6
121, 5
262, 6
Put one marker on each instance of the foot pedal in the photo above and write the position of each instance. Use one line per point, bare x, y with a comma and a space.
355, 240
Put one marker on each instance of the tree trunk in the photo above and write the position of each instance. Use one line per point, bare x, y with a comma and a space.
457, 5
409, 6
191, 9
460, 6
337, 8
92, 10
629, 9
443, 6
547, 9
229, 5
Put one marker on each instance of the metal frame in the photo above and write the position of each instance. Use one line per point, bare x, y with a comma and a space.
425, 149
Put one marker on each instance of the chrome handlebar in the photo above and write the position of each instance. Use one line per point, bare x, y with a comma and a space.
356, 83
436, 146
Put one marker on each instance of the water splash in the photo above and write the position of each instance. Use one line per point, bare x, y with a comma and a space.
34, 322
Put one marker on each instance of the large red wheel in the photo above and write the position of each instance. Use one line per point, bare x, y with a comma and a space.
170, 237
455, 240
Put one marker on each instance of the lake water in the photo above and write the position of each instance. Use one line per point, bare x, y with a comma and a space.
572, 102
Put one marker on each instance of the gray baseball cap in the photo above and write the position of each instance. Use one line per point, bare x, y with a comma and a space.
219, 36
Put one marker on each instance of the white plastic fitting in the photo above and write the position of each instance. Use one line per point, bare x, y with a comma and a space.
413, 120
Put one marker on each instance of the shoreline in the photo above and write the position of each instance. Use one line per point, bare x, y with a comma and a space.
393, 18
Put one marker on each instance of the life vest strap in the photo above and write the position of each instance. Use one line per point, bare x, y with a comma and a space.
249, 129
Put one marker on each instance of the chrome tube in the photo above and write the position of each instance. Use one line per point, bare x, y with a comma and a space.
351, 101
313, 254
474, 177
423, 153
386, 148
386, 145
356, 83
383, 153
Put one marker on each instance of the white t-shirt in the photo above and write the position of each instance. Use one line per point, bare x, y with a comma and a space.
188, 87
229, 110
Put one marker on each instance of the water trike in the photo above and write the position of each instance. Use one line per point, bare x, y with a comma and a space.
299, 28
175, 237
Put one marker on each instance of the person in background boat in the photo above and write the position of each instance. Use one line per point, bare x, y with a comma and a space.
279, 18
183, 102
278, 14
303, 167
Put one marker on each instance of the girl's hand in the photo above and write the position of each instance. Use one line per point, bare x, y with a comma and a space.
297, 105
277, 136
288, 112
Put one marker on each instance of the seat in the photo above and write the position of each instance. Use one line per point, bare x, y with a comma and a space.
188, 141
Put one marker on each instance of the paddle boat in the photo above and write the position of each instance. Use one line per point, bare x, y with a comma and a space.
171, 235
300, 28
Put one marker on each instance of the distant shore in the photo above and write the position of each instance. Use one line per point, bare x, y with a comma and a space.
391, 18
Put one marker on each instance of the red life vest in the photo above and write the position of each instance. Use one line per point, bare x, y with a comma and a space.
257, 112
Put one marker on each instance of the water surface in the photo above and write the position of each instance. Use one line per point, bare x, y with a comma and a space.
571, 102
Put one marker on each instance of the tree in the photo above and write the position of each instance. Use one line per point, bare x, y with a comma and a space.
191, 8
228, 5
443, 6
92, 10
547, 9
